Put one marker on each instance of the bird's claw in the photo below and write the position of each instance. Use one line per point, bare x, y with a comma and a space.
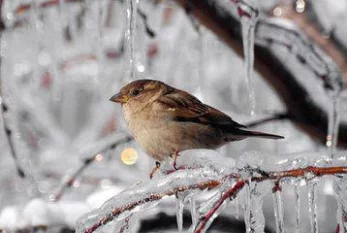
155, 169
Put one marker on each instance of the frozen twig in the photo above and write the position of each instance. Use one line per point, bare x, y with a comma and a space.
143, 16
275, 117
8, 134
105, 144
152, 197
308, 173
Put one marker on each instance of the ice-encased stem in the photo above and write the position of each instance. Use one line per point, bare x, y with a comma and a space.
179, 214
253, 214
146, 196
279, 211
248, 22
341, 215
333, 126
131, 12
312, 205
297, 207
247, 207
237, 206
193, 210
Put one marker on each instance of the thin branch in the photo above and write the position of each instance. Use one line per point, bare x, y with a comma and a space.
275, 117
150, 32
86, 163
8, 134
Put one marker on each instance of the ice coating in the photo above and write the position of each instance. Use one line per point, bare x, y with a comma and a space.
144, 196
179, 214
248, 12
297, 206
312, 204
253, 211
131, 15
340, 188
279, 211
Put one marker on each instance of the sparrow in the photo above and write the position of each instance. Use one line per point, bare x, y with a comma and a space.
165, 120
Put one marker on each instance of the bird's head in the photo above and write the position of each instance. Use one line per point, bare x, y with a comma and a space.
139, 92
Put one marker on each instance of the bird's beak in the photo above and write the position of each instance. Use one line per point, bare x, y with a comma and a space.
119, 98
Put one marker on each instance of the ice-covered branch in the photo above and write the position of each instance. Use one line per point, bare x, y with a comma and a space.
8, 134
275, 117
146, 196
91, 154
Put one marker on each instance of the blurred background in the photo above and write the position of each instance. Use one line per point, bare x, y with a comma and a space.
64, 146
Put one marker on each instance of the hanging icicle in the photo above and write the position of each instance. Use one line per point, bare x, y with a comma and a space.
193, 210
179, 213
333, 126
278, 209
248, 12
312, 205
253, 211
340, 188
297, 206
131, 9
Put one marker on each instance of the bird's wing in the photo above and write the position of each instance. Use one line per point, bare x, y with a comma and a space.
185, 107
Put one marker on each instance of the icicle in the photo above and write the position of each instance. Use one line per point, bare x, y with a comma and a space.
249, 14
36, 24
278, 210
200, 82
131, 12
237, 207
101, 19
193, 210
179, 213
333, 126
246, 207
312, 205
253, 212
341, 215
297, 206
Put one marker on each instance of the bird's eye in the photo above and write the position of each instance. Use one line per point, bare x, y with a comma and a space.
135, 92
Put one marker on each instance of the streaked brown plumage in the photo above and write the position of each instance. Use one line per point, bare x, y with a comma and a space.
165, 120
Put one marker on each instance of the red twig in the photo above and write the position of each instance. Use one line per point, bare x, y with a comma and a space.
337, 228
230, 193
25, 7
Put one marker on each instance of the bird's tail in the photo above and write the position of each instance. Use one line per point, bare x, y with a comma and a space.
247, 133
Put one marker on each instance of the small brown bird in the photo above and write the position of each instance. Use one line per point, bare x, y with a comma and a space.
165, 120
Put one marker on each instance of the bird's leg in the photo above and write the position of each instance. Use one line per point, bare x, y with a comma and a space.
155, 169
175, 155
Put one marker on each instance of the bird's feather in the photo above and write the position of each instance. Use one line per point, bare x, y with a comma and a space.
186, 107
